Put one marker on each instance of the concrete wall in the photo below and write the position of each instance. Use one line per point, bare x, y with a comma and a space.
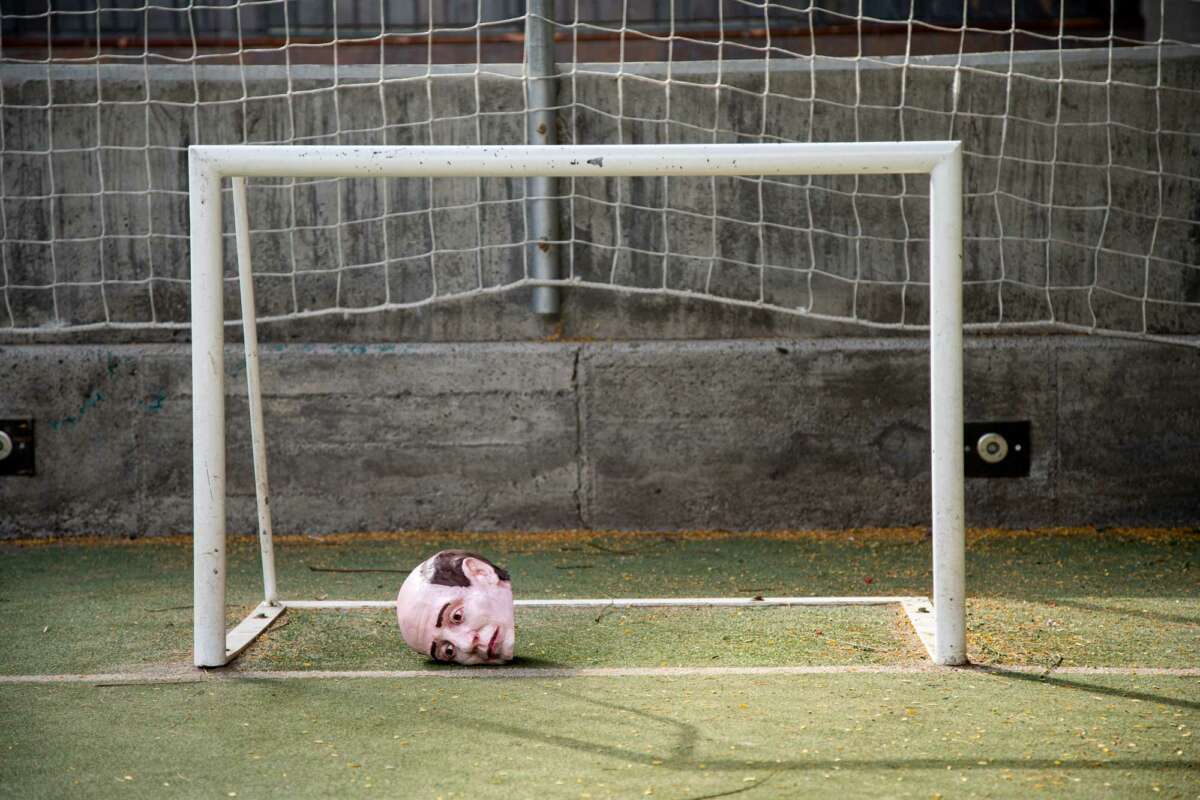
631, 410
740, 435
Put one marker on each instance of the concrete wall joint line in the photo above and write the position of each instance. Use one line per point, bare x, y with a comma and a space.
581, 474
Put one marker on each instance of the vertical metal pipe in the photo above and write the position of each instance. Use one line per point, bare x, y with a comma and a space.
541, 98
208, 415
946, 375
241, 227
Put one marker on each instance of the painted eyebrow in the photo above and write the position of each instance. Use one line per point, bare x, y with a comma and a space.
438, 624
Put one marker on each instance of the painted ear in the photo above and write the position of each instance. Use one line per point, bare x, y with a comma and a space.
479, 571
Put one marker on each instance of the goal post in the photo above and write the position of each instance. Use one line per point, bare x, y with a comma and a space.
209, 165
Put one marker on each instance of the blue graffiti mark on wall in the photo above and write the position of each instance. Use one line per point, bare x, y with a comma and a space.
154, 402
93, 400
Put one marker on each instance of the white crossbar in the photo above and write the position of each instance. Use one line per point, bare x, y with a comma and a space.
209, 164
626, 160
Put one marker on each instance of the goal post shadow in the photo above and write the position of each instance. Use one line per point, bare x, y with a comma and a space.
940, 624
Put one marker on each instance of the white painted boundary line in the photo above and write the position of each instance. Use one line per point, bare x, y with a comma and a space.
191, 675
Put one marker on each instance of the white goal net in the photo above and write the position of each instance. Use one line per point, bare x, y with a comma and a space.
1077, 120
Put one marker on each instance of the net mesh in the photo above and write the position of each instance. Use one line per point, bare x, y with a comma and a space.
1082, 193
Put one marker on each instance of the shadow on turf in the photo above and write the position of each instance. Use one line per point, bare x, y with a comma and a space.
520, 661
1157, 616
682, 755
1083, 686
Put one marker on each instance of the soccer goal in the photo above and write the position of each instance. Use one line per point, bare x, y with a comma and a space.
940, 624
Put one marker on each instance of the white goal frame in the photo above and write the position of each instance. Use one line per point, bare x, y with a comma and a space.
208, 165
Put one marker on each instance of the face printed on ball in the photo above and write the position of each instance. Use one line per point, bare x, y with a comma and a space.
458, 607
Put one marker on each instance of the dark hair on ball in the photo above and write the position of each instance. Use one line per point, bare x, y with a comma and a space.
448, 568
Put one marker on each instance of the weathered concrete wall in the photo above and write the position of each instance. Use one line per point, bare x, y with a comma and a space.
396, 421
725, 434
831, 433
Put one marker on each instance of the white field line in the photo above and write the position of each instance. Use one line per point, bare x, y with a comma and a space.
191, 675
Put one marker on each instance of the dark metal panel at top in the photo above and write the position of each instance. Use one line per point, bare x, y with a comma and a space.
355, 18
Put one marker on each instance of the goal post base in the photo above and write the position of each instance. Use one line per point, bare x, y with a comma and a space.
918, 610
251, 628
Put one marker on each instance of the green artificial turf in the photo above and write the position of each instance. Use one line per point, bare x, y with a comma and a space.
1075, 599
960, 734
1049, 599
588, 637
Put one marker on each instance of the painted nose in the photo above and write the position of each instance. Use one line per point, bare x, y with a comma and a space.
483, 637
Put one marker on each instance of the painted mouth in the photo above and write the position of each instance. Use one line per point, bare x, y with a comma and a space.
493, 645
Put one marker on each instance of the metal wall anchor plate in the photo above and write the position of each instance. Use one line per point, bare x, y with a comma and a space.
996, 449
16, 447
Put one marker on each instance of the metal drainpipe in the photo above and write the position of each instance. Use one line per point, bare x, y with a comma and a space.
541, 98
